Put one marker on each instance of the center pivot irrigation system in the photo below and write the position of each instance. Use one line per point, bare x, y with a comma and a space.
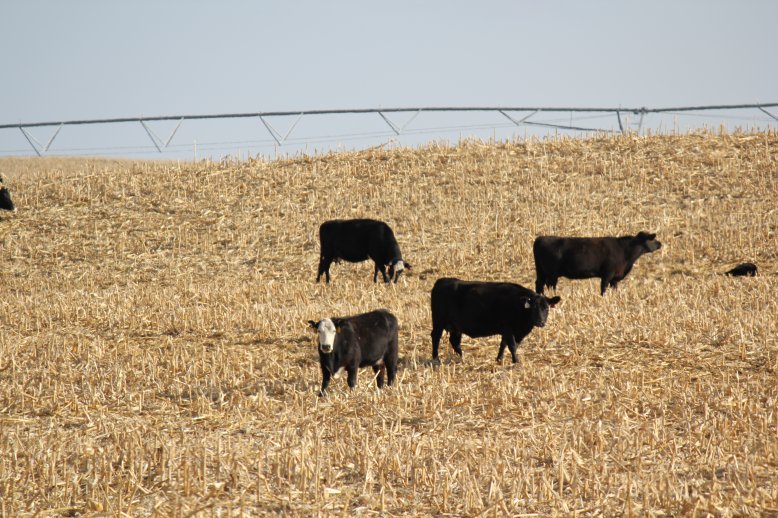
508, 112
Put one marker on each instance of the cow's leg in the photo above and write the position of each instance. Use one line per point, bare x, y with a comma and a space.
351, 371
325, 381
455, 337
324, 268
379, 371
390, 360
511, 341
436, 334
391, 370
604, 281
380, 268
540, 281
321, 268
503, 345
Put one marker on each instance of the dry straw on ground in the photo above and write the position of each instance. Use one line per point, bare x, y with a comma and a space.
154, 358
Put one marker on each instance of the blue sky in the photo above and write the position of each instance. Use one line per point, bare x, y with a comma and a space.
97, 59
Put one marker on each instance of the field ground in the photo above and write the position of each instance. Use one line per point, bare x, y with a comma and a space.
154, 356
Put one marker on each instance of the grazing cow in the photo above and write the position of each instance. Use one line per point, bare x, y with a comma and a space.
369, 339
609, 258
480, 309
5, 199
743, 269
356, 240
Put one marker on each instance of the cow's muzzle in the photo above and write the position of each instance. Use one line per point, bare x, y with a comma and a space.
326, 348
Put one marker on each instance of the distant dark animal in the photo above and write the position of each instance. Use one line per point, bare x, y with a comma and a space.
5, 199
480, 309
356, 240
609, 258
743, 269
369, 339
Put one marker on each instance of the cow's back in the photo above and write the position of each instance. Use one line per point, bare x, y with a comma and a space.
475, 308
573, 257
346, 239
379, 320
381, 244
375, 333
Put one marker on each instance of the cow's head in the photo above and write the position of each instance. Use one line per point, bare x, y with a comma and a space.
396, 268
327, 329
648, 242
538, 307
5, 199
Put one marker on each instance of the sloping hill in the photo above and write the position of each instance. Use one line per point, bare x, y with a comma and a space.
154, 357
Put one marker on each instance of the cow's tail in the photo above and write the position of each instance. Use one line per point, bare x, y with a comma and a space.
540, 277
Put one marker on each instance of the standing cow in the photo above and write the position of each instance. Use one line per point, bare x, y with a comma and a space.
356, 240
480, 309
609, 258
369, 339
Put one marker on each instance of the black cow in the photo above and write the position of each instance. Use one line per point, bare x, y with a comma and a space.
369, 339
480, 309
743, 269
356, 240
5, 199
609, 258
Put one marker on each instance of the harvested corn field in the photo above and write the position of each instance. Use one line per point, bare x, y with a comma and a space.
155, 357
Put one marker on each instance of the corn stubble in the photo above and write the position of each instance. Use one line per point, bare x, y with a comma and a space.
154, 356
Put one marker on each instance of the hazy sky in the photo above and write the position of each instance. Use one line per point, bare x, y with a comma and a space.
96, 59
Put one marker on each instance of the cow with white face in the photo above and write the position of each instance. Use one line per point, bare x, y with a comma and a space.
357, 240
327, 330
366, 340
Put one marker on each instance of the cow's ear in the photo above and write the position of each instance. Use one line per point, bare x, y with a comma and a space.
651, 237
313, 325
553, 301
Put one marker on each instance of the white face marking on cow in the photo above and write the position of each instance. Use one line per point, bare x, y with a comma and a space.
326, 336
399, 266
339, 372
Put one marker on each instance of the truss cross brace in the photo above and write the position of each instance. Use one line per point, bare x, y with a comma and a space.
36, 145
155, 138
640, 122
618, 116
520, 121
275, 134
768, 113
398, 129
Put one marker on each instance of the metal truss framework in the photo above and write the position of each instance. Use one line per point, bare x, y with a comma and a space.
160, 144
